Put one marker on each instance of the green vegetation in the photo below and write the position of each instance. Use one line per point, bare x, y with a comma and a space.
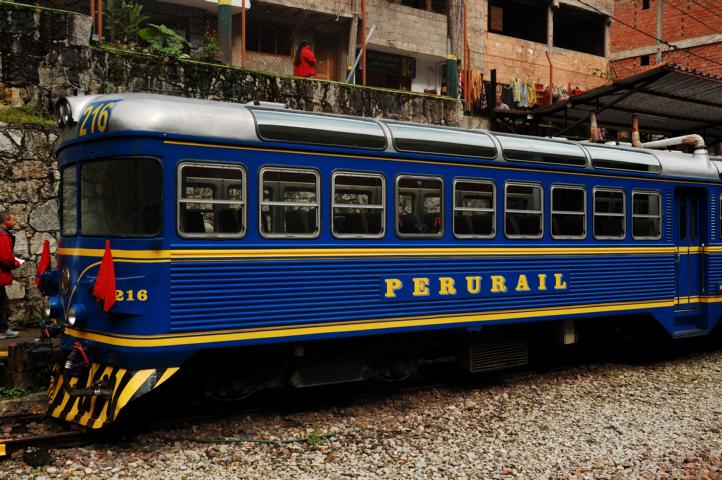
11, 392
26, 115
163, 40
124, 21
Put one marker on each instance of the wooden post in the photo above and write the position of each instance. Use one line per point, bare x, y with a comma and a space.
243, 33
100, 21
363, 42
465, 61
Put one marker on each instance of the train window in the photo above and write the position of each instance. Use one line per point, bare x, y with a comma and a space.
609, 214
69, 210
646, 215
569, 212
443, 141
358, 205
289, 203
618, 159
286, 126
419, 206
474, 209
121, 197
541, 151
523, 213
211, 201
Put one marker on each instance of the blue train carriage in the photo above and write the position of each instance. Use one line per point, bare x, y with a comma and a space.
276, 247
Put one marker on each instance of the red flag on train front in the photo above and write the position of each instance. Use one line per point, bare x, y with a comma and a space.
104, 288
44, 263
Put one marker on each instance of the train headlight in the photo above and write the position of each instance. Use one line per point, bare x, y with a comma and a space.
64, 280
76, 316
65, 113
54, 308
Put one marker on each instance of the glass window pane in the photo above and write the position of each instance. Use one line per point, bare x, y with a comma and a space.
363, 197
608, 202
568, 212
646, 203
419, 218
474, 209
298, 127
541, 151
523, 217
443, 141
121, 197
645, 227
70, 201
289, 205
609, 218
620, 159
212, 200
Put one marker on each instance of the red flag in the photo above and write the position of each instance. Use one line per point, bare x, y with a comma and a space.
44, 262
104, 288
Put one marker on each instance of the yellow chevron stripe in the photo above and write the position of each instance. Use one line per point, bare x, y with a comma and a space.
166, 375
361, 325
59, 409
86, 416
103, 415
131, 387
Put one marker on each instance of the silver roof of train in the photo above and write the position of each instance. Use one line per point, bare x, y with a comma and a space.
236, 122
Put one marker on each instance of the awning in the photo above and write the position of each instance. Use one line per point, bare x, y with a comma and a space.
669, 100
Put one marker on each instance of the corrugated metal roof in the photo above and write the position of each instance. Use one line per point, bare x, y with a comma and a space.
670, 100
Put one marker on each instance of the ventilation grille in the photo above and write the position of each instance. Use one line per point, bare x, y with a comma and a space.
489, 352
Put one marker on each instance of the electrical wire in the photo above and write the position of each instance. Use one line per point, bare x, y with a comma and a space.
707, 7
714, 29
671, 46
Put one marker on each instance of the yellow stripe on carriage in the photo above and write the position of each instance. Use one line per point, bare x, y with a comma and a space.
192, 254
361, 325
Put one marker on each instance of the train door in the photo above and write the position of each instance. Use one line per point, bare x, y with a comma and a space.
689, 207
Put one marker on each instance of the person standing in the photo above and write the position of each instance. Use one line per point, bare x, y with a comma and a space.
8, 262
304, 63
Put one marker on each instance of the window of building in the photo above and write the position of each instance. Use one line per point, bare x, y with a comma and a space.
120, 197
523, 212
211, 200
419, 211
609, 214
579, 30
644, 60
569, 212
358, 205
645, 4
289, 205
474, 209
436, 6
269, 37
525, 19
69, 211
646, 215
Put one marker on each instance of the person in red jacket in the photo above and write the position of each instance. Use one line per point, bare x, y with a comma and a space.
304, 63
8, 262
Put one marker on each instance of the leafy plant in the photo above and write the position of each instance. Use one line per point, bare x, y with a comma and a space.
8, 392
124, 21
163, 40
210, 48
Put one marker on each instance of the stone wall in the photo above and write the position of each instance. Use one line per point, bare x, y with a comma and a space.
28, 186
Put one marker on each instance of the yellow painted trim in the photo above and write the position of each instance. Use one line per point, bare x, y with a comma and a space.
3, 451
166, 375
3, 353
363, 325
187, 254
406, 160
131, 387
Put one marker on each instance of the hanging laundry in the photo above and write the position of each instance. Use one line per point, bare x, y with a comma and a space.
523, 95
516, 88
531, 94
541, 95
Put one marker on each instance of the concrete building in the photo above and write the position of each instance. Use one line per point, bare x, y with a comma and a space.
691, 27
559, 42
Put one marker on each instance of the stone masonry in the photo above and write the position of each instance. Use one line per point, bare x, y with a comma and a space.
28, 186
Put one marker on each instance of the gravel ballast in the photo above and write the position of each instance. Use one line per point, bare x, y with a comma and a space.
604, 421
